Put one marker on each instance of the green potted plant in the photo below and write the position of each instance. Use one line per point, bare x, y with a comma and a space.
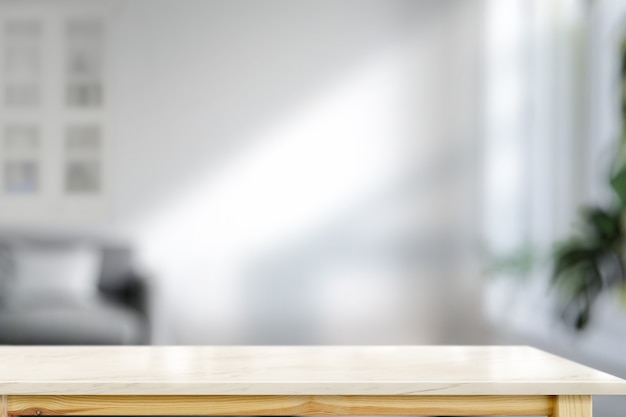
594, 261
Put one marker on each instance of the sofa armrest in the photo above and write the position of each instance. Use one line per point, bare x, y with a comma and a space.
121, 284
133, 292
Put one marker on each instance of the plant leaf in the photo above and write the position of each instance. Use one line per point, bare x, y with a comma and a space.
572, 256
618, 184
605, 225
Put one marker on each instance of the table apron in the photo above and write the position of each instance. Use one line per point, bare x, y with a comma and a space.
281, 405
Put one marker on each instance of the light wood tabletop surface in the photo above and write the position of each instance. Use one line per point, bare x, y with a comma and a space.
296, 380
297, 370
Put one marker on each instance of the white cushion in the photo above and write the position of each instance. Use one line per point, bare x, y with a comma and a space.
72, 271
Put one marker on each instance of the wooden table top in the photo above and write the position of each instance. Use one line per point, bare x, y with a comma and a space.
297, 370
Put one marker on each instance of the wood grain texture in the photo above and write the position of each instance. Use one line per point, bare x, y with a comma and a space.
4, 407
280, 405
572, 406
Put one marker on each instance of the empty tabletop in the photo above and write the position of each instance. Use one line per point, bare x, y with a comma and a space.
296, 370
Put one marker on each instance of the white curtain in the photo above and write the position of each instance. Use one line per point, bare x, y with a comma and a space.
552, 119
537, 152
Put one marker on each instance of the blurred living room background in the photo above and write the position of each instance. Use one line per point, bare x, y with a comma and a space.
310, 172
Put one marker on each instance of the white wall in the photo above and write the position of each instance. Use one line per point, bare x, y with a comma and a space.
244, 131
298, 171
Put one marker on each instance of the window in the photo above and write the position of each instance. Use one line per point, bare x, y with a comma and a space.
82, 159
84, 63
21, 159
22, 63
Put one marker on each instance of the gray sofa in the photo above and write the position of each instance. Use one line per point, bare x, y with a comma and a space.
104, 302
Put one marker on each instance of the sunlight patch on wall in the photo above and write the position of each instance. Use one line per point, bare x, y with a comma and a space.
318, 160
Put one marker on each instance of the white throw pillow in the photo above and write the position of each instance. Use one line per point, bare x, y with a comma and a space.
69, 270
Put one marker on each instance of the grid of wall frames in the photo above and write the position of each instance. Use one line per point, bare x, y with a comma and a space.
52, 104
